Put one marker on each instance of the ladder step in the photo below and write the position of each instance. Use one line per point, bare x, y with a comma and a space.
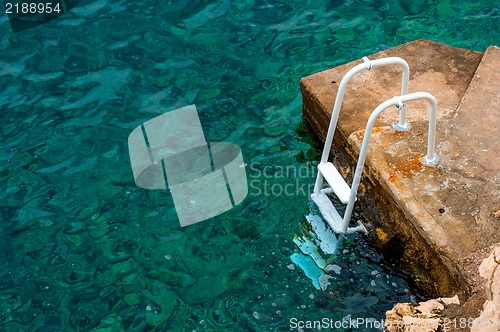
328, 211
336, 181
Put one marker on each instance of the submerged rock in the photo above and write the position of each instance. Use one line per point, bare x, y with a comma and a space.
172, 278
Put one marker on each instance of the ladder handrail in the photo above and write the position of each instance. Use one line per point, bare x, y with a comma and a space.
430, 159
367, 64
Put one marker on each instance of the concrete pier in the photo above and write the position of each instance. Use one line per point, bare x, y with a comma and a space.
432, 218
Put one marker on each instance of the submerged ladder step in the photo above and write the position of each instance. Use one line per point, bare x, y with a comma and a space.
332, 216
328, 211
336, 181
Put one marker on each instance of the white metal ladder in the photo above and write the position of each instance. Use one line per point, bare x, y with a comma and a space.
327, 170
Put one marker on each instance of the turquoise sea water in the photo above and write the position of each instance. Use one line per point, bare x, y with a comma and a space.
84, 249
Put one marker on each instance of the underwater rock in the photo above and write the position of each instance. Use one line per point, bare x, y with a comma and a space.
123, 268
110, 323
108, 191
131, 299
160, 297
64, 201
412, 7
175, 279
235, 279
360, 303
117, 271
202, 292
153, 318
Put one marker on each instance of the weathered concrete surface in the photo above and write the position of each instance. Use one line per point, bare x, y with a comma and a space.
448, 208
447, 70
472, 139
